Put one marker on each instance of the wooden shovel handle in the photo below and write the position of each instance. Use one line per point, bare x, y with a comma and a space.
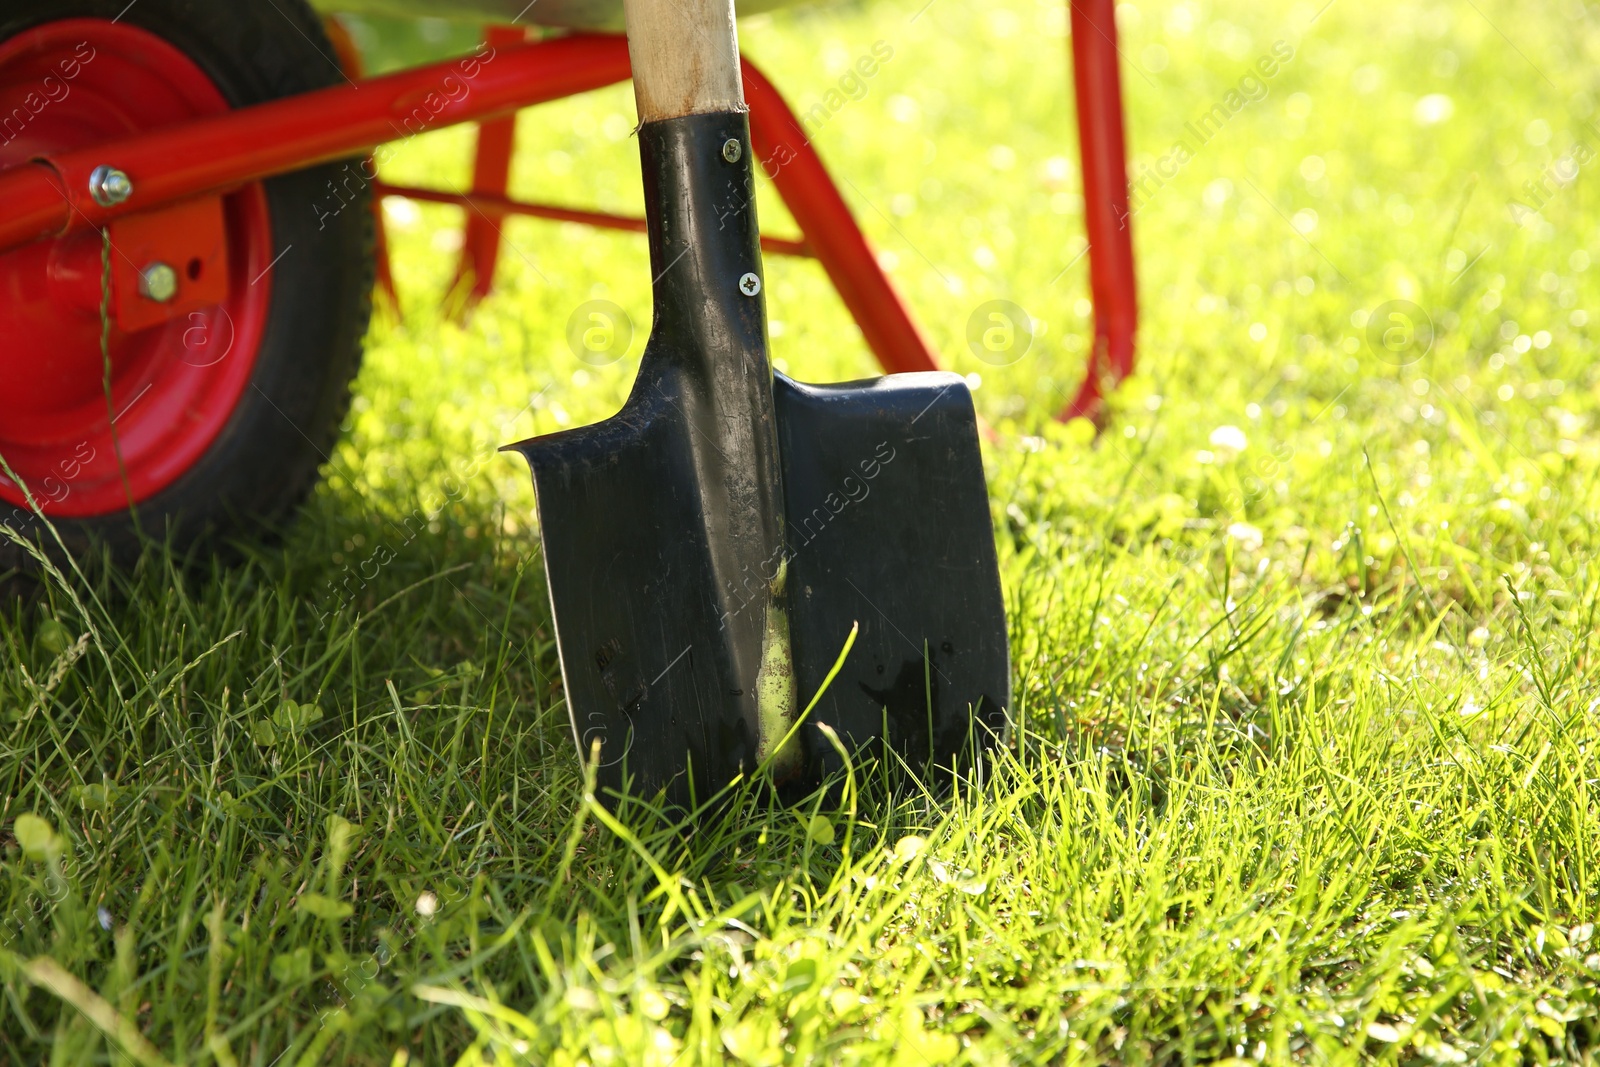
685, 57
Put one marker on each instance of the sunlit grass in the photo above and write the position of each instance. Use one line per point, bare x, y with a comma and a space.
1303, 747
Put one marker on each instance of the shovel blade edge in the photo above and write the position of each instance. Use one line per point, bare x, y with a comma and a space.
888, 527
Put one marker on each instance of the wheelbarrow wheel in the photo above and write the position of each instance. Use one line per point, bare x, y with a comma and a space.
210, 422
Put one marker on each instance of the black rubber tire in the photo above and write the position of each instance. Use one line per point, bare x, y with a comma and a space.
265, 460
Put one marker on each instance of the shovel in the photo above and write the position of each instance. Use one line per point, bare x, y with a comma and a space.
710, 548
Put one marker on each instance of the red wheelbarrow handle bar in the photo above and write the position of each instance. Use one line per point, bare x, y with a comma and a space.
51, 196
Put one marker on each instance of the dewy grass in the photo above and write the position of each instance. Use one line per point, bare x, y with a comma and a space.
1303, 753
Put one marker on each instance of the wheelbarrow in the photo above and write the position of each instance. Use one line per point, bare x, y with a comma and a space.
163, 372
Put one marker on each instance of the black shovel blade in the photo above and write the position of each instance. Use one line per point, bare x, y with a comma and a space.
709, 547
888, 528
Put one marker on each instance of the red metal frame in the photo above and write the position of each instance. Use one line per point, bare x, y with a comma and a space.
191, 236
50, 196
1107, 223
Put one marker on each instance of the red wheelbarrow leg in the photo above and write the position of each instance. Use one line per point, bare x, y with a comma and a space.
491, 173
784, 154
1106, 217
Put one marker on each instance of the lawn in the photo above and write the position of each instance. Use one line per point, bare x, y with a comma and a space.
1303, 759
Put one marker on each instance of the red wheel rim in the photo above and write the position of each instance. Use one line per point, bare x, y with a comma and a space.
173, 386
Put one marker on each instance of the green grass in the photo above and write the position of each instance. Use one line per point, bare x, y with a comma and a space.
1304, 746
